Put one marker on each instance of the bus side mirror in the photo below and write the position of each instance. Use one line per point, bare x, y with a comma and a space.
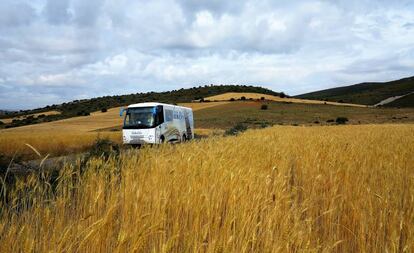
121, 112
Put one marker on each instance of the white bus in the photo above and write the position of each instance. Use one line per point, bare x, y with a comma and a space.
154, 123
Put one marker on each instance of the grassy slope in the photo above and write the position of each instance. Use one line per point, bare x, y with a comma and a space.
281, 189
407, 101
76, 124
364, 93
255, 96
35, 115
226, 116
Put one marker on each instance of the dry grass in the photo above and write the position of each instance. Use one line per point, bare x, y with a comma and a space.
235, 95
54, 142
281, 189
59, 137
198, 106
208, 132
9, 120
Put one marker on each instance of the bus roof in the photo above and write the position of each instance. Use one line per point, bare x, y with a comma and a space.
151, 104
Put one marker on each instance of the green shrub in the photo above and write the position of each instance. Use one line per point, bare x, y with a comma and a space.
238, 128
83, 113
264, 107
264, 124
104, 110
104, 147
341, 120
6, 161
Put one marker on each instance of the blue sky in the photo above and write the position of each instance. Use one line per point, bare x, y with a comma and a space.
60, 50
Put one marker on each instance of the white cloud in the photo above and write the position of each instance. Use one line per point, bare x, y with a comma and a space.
68, 49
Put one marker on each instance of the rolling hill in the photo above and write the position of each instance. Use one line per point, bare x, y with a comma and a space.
87, 106
368, 93
406, 101
250, 114
239, 96
30, 116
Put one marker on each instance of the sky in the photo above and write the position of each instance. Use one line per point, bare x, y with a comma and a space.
61, 50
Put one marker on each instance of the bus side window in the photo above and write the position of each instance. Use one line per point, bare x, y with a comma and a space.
160, 115
168, 115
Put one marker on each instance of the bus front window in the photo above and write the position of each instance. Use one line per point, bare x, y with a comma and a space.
140, 117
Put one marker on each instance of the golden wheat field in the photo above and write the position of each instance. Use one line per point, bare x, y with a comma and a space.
238, 95
60, 137
279, 189
52, 143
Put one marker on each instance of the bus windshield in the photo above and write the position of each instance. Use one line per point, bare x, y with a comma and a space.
140, 117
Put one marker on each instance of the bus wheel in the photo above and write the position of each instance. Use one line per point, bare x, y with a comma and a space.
184, 139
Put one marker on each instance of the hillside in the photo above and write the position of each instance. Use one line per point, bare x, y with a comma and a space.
29, 116
365, 93
406, 101
250, 114
248, 96
87, 106
6, 112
